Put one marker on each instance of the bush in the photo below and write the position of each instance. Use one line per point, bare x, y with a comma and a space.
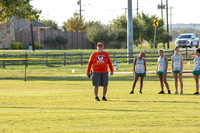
37, 45
16, 45
61, 40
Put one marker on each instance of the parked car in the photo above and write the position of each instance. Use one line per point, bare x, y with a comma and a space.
187, 40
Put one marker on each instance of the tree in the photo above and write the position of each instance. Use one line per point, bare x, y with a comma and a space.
18, 8
113, 38
52, 24
149, 29
138, 27
119, 23
75, 23
120, 38
89, 24
97, 33
165, 38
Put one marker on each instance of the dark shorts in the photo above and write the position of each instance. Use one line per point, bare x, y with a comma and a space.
160, 73
176, 72
196, 72
140, 74
100, 79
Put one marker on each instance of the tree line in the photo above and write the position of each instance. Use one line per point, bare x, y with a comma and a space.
113, 34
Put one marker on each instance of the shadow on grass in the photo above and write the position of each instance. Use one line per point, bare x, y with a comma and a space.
164, 101
84, 78
79, 109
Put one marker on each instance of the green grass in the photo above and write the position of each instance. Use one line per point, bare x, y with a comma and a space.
53, 101
76, 58
85, 51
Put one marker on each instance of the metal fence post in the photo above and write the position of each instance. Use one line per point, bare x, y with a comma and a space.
26, 59
4, 61
186, 53
64, 59
46, 59
113, 54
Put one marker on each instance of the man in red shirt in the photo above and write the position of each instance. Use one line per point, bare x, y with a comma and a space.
99, 61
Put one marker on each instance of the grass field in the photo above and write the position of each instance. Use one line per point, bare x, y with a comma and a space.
53, 101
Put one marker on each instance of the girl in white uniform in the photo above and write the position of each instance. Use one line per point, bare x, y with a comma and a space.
139, 70
177, 68
196, 70
162, 71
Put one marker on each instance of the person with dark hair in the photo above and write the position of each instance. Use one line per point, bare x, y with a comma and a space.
139, 70
162, 71
177, 68
99, 61
196, 70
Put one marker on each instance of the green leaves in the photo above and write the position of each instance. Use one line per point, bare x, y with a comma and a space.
19, 9
75, 23
52, 24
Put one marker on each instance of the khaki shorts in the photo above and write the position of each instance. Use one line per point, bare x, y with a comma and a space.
100, 79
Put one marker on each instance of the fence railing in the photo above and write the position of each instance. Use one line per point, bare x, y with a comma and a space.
49, 59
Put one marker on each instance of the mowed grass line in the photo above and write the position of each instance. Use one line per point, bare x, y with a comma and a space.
67, 105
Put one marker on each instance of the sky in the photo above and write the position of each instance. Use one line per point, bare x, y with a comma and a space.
183, 11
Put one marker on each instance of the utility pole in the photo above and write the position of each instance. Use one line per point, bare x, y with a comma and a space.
161, 6
130, 33
162, 9
80, 10
171, 19
167, 23
137, 8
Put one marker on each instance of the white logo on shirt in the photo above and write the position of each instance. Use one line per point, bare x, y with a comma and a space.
100, 59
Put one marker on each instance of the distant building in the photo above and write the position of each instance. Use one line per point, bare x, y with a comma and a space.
11, 30
23, 24
185, 26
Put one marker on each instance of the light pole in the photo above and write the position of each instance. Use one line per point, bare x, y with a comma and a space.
167, 24
130, 33
79, 3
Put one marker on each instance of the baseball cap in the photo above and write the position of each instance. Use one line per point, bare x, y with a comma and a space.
99, 44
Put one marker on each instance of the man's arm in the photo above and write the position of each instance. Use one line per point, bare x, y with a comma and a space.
89, 65
110, 65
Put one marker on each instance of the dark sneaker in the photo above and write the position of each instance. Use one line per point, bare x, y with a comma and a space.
131, 92
161, 92
169, 92
181, 93
140, 92
97, 99
104, 99
196, 93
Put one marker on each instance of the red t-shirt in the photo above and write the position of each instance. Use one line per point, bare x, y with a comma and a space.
99, 62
